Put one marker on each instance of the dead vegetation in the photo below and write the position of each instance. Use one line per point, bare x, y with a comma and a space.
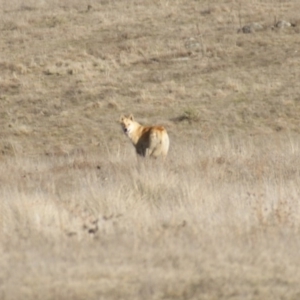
81, 217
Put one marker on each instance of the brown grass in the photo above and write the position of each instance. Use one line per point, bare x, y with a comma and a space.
81, 217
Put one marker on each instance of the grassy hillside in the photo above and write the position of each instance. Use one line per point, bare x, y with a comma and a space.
82, 218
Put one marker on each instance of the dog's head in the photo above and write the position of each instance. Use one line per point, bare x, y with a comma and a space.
126, 123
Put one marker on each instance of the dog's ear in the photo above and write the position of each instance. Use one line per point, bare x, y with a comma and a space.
121, 118
131, 117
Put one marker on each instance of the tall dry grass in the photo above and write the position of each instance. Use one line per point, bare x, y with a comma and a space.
81, 217
218, 219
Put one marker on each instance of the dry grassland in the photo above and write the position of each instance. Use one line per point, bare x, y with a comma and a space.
82, 218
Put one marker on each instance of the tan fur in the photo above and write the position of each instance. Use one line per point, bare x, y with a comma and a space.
150, 141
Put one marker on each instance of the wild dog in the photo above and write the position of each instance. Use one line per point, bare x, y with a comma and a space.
149, 141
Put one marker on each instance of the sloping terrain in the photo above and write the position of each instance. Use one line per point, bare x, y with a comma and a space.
81, 217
